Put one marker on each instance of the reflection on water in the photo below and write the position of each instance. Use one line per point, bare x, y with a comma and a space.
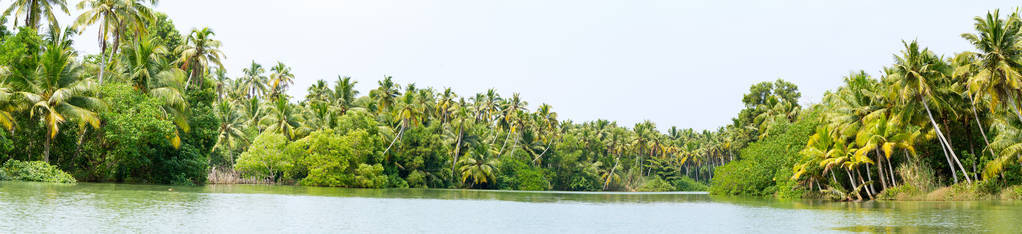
90, 207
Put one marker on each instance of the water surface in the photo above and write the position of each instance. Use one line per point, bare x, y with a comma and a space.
105, 208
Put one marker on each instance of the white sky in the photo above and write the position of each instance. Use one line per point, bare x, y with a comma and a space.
680, 63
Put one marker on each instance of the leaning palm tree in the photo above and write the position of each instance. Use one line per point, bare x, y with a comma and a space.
999, 53
199, 52
60, 93
168, 86
916, 71
7, 105
34, 11
115, 18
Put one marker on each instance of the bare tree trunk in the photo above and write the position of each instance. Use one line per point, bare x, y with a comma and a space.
880, 169
891, 168
853, 190
943, 140
402, 131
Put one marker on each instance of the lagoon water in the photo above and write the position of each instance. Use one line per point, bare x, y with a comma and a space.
117, 208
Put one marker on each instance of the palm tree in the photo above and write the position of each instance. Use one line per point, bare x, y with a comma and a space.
254, 81
280, 78
1000, 56
231, 129
168, 86
281, 117
59, 93
386, 94
344, 93
510, 118
916, 72
143, 59
198, 53
480, 167
408, 115
115, 17
34, 10
7, 105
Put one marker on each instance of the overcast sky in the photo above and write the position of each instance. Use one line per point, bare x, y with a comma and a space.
677, 63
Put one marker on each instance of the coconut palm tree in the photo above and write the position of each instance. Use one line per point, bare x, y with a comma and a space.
280, 78
198, 53
281, 117
916, 71
999, 61
34, 11
142, 60
7, 105
480, 167
115, 18
254, 81
345, 93
59, 93
386, 94
230, 133
409, 114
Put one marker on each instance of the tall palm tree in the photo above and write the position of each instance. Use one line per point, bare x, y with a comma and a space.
917, 71
480, 167
254, 81
281, 117
34, 11
345, 93
230, 133
280, 78
386, 94
198, 53
143, 59
999, 61
115, 18
59, 93
7, 105
168, 86
408, 115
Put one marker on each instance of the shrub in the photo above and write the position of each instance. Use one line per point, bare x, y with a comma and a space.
688, 184
37, 171
367, 176
765, 167
656, 185
265, 158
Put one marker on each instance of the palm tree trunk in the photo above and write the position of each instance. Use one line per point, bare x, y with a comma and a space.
853, 190
944, 143
46, 148
869, 176
891, 169
868, 192
402, 131
513, 148
880, 169
505, 142
981, 128
457, 147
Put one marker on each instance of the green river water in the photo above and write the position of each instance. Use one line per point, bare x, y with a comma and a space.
118, 208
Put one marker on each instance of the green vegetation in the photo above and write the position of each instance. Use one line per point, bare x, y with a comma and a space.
942, 121
157, 106
37, 171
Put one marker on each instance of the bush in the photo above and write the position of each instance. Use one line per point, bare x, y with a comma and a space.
688, 184
766, 165
37, 171
656, 185
367, 176
265, 158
